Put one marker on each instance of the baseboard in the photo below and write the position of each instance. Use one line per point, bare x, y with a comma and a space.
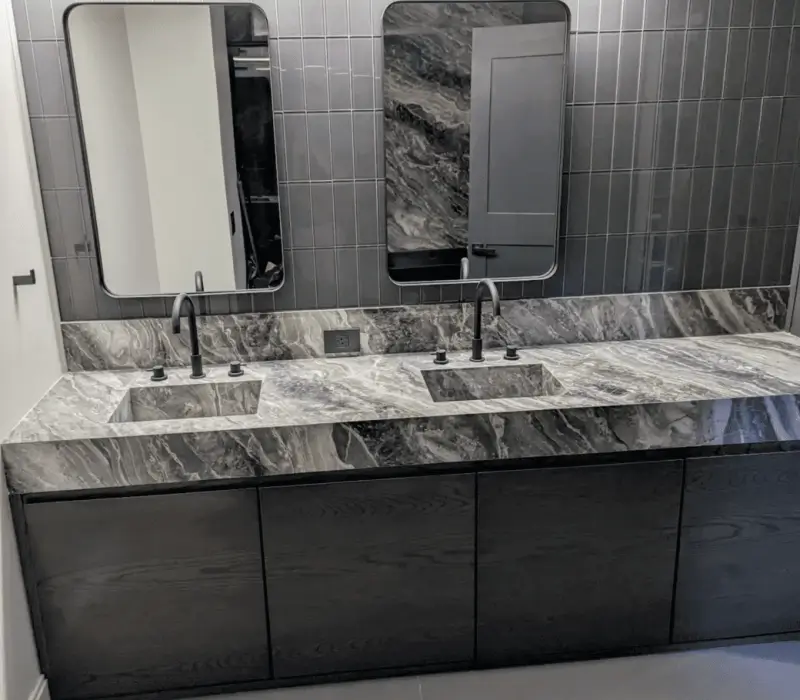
40, 691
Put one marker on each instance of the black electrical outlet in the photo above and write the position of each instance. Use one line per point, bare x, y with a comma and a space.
343, 340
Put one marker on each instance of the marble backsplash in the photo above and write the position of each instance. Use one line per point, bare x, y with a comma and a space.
142, 343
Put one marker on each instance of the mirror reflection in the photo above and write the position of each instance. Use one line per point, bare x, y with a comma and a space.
474, 96
175, 106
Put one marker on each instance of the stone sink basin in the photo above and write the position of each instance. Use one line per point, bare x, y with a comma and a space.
201, 400
492, 382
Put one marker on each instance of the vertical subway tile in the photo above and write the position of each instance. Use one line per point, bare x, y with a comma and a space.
75, 228
614, 272
692, 64
624, 125
635, 263
793, 78
714, 260
786, 147
364, 144
742, 13
381, 187
736, 63
677, 13
84, 305
728, 130
662, 192
336, 23
62, 153
305, 279
302, 225
344, 204
361, 18
650, 66
611, 16
572, 54
763, 12
628, 81
347, 282
322, 214
686, 133
339, 73
598, 203
52, 220
700, 199
641, 199
720, 13
319, 146
602, 137
714, 66
377, 71
643, 150
778, 61
655, 14
707, 126
585, 67
389, 291
312, 17
607, 60
733, 259
578, 213
368, 277
296, 129
665, 134
593, 275
753, 257
366, 213
315, 74
361, 72
581, 137
789, 244
293, 97
747, 138
784, 12
758, 214
699, 11
674, 259
40, 20
326, 272
289, 19
48, 71
280, 147
756, 72
28, 67
720, 198
693, 261
633, 15
680, 200
379, 145
619, 201
588, 19
769, 130
574, 265
781, 194
773, 257
672, 65
342, 145
285, 298
740, 197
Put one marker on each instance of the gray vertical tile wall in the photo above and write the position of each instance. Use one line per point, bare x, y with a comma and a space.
682, 167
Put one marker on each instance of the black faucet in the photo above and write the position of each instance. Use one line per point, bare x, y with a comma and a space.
197, 361
477, 341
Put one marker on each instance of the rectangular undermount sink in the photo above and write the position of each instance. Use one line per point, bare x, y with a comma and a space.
200, 400
490, 382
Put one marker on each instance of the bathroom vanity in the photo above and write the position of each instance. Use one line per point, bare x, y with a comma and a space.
336, 518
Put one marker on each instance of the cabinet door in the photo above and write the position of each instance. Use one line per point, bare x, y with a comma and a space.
149, 592
370, 574
739, 565
575, 560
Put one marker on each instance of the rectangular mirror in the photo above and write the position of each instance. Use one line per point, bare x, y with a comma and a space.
474, 98
175, 109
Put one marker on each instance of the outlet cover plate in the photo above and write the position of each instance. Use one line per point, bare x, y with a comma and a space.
343, 341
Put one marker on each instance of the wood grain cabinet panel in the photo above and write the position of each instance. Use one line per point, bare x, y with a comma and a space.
575, 560
739, 565
370, 574
149, 592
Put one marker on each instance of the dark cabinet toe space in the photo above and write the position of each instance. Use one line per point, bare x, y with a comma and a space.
575, 560
150, 592
371, 574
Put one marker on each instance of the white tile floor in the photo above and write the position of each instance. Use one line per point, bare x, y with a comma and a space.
756, 672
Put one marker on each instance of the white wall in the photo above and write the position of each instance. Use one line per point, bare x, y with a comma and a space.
176, 90
29, 340
99, 42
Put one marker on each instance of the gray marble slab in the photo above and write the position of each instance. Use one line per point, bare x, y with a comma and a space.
376, 411
142, 343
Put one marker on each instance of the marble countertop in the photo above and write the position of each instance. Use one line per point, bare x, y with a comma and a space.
355, 412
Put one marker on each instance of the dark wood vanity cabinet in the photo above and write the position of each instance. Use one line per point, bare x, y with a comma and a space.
371, 574
149, 592
739, 564
575, 560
